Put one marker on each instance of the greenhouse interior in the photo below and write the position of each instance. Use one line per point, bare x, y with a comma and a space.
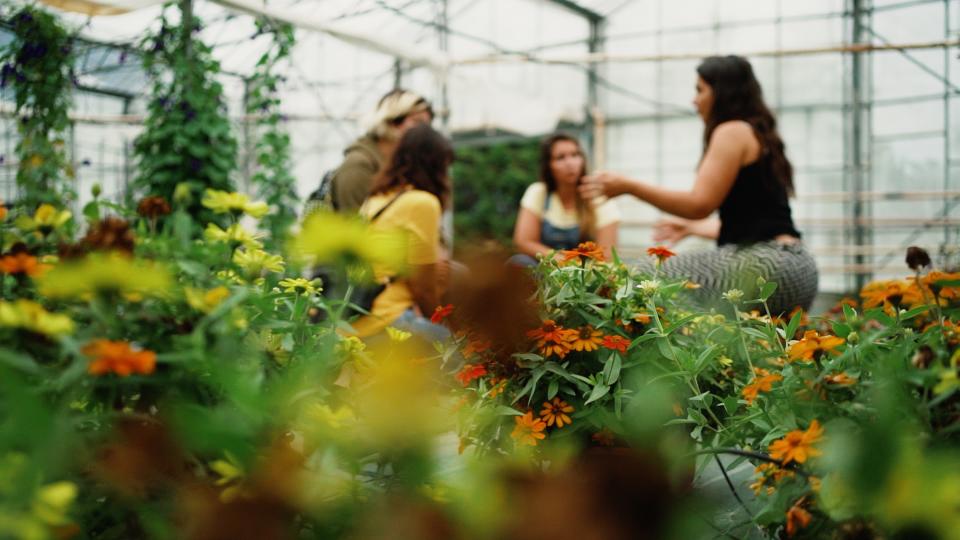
507, 269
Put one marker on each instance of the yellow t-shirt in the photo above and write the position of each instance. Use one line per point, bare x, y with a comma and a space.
416, 213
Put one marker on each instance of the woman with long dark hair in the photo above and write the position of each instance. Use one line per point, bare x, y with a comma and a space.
410, 196
745, 175
553, 215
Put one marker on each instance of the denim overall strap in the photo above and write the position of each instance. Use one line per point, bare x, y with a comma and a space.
557, 237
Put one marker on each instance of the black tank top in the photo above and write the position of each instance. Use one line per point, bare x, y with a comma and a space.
756, 209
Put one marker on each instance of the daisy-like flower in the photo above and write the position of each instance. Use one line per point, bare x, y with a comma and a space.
256, 261
234, 234
798, 445
31, 316
616, 343
470, 372
662, 253
105, 272
649, 286
44, 221
769, 474
586, 250
440, 313
734, 296
118, 357
892, 294
222, 202
813, 344
22, 263
762, 382
302, 286
553, 339
205, 301
528, 430
556, 412
587, 338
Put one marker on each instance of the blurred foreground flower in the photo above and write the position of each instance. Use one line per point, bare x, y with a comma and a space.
332, 238
111, 272
22, 263
205, 301
234, 234
31, 316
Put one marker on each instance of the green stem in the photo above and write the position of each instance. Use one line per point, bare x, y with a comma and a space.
743, 340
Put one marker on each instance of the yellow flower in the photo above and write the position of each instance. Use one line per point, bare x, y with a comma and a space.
329, 238
812, 345
301, 286
45, 220
255, 261
103, 272
234, 234
586, 339
31, 316
231, 475
327, 417
398, 335
52, 501
556, 412
206, 301
222, 202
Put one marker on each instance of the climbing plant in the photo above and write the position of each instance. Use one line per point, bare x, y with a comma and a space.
272, 178
37, 66
186, 141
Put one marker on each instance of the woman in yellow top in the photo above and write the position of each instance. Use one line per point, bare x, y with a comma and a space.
410, 196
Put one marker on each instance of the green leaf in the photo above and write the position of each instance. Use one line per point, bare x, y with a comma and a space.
611, 370
598, 392
767, 290
849, 314
503, 410
553, 388
791, 329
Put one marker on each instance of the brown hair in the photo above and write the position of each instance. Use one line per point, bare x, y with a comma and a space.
420, 161
737, 96
586, 213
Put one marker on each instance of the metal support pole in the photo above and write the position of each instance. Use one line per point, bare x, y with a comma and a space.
594, 45
858, 139
443, 37
947, 231
397, 73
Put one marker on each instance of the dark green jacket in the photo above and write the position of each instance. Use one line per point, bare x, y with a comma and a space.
352, 180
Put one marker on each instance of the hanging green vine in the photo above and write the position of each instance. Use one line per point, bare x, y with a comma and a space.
273, 181
187, 140
38, 66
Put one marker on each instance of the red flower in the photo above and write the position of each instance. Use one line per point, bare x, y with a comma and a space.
441, 313
662, 253
470, 372
584, 251
616, 343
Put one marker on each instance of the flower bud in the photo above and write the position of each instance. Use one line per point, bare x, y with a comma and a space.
96, 190
853, 338
917, 258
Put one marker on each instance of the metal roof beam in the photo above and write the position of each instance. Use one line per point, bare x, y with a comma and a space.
586, 13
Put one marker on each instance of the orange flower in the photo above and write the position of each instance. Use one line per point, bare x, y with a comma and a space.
528, 430
470, 372
553, 339
556, 412
841, 379
762, 382
586, 250
797, 445
476, 346
846, 301
497, 386
22, 263
813, 344
3, 210
440, 313
662, 253
797, 518
769, 472
932, 279
892, 294
616, 343
586, 339
118, 357
604, 437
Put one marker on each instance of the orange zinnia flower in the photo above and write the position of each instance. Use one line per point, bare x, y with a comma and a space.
769, 472
931, 280
22, 263
841, 379
797, 445
118, 357
476, 346
586, 250
892, 294
813, 344
553, 339
616, 343
440, 313
586, 339
528, 430
762, 382
470, 372
556, 412
662, 253
797, 518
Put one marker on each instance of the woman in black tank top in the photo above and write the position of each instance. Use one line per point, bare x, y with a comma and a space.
745, 176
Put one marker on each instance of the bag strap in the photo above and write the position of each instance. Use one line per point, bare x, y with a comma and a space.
384, 207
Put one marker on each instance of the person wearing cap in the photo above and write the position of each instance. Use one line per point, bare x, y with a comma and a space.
398, 111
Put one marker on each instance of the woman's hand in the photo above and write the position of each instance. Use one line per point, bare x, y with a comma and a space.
604, 183
671, 230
